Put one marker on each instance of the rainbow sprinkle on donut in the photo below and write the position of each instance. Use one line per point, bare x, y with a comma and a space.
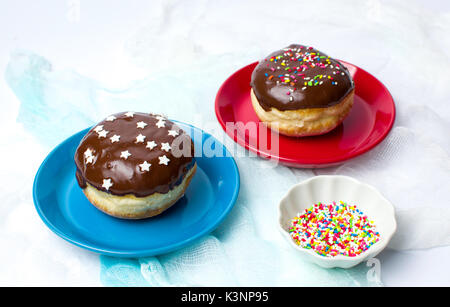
296, 61
300, 77
334, 229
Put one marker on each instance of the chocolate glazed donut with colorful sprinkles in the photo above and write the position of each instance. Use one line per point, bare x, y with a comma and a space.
300, 91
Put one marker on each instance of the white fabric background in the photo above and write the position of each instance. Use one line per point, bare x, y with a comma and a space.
81, 61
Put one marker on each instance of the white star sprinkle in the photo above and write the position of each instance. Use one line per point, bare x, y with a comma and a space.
141, 124
140, 138
110, 118
129, 114
88, 153
160, 124
102, 134
163, 160
115, 138
125, 154
151, 145
145, 166
165, 146
89, 159
98, 128
107, 184
159, 117
173, 133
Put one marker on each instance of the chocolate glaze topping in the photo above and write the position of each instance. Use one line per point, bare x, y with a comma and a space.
134, 153
300, 77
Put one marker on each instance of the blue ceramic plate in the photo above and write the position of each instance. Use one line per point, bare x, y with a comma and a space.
66, 211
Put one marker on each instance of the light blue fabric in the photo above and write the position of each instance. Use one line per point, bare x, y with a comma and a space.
246, 249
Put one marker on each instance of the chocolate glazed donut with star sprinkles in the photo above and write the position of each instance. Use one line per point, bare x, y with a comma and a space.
131, 153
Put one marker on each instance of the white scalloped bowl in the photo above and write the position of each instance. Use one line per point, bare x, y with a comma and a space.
327, 189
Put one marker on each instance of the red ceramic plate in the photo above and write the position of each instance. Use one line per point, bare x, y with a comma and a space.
368, 123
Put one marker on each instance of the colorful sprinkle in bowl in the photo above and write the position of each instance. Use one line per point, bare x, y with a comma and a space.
327, 189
